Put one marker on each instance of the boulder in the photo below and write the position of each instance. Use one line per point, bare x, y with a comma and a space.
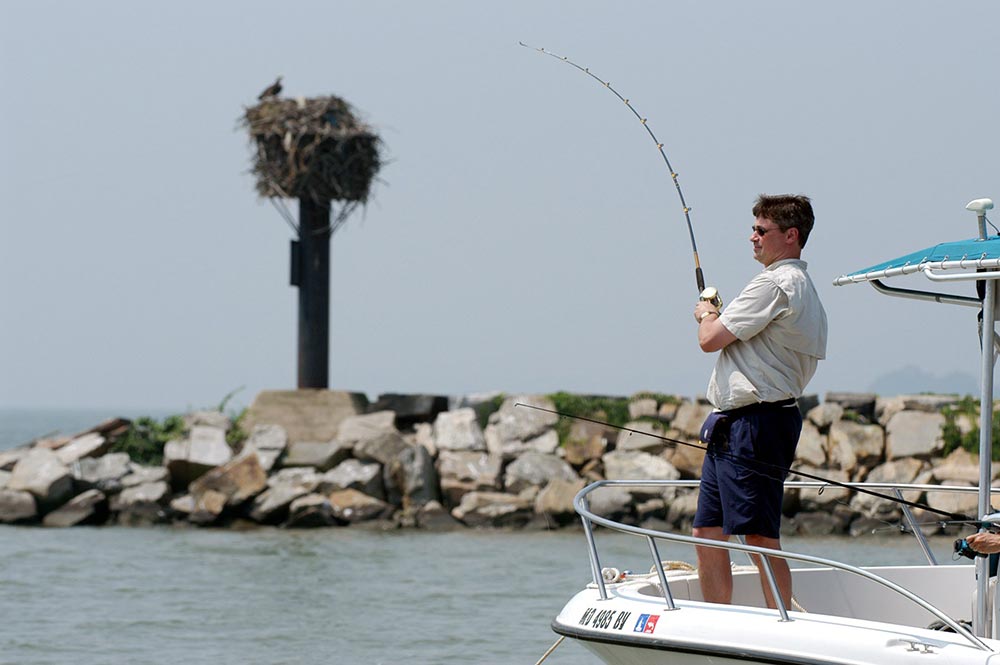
493, 509
90, 507
381, 448
690, 417
17, 506
642, 407
269, 442
681, 510
667, 411
205, 508
271, 506
236, 481
310, 511
816, 524
142, 504
4, 477
411, 409
811, 448
535, 469
586, 441
850, 444
961, 503
555, 500
897, 471
204, 448
959, 468
611, 502
357, 430
824, 415
318, 454
410, 478
513, 425
822, 497
862, 404
356, 475
9, 458
140, 475
305, 415
638, 465
102, 473
434, 517
423, 435
87, 445
458, 430
642, 435
41, 473
462, 472
687, 459
349, 505
913, 434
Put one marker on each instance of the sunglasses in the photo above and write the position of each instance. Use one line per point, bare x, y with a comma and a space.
761, 231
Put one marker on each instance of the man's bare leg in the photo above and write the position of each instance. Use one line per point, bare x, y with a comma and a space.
782, 575
715, 575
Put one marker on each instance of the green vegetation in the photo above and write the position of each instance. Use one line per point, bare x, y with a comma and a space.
952, 435
612, 410
660, 398
487, 409
146, 437
237, 436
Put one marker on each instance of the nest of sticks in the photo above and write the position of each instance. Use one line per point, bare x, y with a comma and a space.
312, 148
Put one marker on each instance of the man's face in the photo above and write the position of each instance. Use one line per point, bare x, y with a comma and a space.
770, 243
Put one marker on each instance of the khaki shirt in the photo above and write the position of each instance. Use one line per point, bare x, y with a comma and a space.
780, 328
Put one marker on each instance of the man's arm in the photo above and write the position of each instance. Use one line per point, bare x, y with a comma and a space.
712, 335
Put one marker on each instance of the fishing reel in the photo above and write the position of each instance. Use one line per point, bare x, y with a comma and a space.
962, 548
711, 295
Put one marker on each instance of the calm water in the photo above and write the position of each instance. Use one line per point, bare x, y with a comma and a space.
164, 595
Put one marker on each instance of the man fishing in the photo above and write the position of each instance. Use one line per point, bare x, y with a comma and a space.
769, 340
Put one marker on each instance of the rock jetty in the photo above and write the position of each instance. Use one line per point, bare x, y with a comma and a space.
321, 458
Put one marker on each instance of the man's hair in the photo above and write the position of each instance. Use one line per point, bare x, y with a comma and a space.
787, 211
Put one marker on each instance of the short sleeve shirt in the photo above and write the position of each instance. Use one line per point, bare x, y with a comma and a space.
780, 328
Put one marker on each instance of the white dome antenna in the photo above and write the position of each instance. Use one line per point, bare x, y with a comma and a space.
980, 206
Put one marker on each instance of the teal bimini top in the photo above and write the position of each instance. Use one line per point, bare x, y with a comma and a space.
969, 254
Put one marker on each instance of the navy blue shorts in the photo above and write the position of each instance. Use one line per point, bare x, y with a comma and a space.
742, 481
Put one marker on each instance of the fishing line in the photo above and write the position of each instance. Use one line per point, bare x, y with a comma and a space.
699, 276
755, 467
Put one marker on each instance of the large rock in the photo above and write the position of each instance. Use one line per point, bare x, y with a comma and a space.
642, 407
690, 417
142, 504
637, 465
210, 418
358, 430
271, 506
4, 477
352, 506
913, 434
493, 509
17, 506
901, 471
205, 508
959, 468
642, 435
204, 448
862, 404
462, 472
555, 501
887, 407
305, 415
824, 415
269, 442
611, 502
850, 444
536, 469
586, 441
140, 475
41, 473
822, 496
103, 473
355, 475
458, 430
237, 480
382, 448
410, 478
310, 511
88, 445
90, 507
512, 427
411, 409
323, 455
8, 458
686, 454
811, 448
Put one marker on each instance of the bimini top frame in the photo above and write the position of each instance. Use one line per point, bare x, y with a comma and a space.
974, 260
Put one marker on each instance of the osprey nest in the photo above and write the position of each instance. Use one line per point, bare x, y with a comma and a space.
312, 148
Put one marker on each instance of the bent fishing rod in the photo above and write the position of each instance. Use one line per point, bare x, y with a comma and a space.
755, 466
709, 294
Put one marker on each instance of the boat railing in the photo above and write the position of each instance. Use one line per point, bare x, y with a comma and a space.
581, 504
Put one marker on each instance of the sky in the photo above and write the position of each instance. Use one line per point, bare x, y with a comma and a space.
524, 234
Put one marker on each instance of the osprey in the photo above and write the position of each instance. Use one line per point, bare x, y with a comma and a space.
272, 90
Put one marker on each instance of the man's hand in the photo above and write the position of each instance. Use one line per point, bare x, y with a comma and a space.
987, 543
704, 310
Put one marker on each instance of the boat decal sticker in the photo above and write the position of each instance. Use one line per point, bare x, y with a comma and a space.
616, 619
646, 623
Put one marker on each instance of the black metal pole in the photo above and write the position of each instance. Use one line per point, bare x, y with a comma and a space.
314, 293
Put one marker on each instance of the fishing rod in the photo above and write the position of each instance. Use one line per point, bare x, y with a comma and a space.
757, 464
710, 294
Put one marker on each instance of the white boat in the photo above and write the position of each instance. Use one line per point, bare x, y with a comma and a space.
841, 614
